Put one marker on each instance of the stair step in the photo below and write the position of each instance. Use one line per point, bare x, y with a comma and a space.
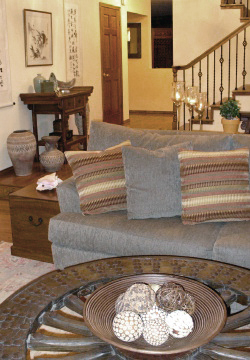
203, 121
240, 91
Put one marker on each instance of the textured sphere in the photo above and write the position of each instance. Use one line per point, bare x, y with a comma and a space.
154, 314
156, 332
121, 305
188, 304
127, 326
180, 324
140, 298
170, 296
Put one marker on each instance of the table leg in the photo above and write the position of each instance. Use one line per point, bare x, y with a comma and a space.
35, 131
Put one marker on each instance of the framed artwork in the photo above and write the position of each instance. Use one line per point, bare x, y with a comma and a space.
38, 38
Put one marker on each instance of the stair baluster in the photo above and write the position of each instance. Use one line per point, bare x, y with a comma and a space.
207, 84
221, 74
184, 105
229, 67
244, 61
236, 62
214, 78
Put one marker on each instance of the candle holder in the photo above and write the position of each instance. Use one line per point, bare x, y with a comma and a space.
201, 106
178, 96
191, 99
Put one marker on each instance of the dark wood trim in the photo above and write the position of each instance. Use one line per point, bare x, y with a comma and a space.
126, 122
145, 112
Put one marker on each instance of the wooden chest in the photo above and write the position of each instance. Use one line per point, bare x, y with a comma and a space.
30, 213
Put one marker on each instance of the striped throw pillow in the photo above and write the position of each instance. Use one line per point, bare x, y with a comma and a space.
100, 179
214, 185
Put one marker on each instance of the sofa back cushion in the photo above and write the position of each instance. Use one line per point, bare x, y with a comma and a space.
153, 181
104, 135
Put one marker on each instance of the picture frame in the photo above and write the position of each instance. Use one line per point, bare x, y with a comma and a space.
38, 38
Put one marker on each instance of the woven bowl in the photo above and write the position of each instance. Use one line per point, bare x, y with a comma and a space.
209, 316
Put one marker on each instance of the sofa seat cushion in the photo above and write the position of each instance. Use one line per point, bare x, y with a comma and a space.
113, 233
233, 244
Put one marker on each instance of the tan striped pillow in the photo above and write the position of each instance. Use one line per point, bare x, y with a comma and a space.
214, 185
100, 179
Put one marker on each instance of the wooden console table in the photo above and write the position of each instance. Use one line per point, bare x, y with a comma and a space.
61, 105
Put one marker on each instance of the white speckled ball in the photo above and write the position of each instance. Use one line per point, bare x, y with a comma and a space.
156, 332
154, 314
127, 326
180, 323
140, 298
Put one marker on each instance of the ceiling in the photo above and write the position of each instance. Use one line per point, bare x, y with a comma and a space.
161, 7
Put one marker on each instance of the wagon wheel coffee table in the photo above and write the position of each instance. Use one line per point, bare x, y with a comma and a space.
45, 316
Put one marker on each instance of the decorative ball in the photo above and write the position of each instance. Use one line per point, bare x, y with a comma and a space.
156, 332
155, 287
180, 323
188, 304
140, 298
170, 296
154, 314
121, 305
127, 326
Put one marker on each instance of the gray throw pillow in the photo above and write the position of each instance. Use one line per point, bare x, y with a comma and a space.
104, 135
153, 181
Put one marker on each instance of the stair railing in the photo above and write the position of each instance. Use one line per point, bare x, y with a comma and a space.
222, 64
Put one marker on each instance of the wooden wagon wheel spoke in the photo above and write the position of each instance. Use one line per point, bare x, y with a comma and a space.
232, 340
74, 304
237, 320
100, 353
41, 342
61, 322
228, 296
220, 353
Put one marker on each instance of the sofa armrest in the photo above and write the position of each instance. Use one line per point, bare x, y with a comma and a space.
68, 196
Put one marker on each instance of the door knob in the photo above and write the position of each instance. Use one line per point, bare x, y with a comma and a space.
106, 75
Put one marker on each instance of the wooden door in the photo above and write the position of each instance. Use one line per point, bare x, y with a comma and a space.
111, 57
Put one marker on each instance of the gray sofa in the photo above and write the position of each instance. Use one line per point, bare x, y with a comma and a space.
76, 238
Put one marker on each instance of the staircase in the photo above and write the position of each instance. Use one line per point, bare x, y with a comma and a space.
221, 72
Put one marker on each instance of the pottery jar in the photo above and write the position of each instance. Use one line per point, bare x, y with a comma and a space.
51, 159
21, 146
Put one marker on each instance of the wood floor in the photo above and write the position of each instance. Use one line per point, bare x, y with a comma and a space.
9, 181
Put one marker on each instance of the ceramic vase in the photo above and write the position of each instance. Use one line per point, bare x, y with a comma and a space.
37, 81
21, 146
51, 159
230, 126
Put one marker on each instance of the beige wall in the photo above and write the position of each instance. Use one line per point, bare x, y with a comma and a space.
198, 25
19, 117
149, 89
